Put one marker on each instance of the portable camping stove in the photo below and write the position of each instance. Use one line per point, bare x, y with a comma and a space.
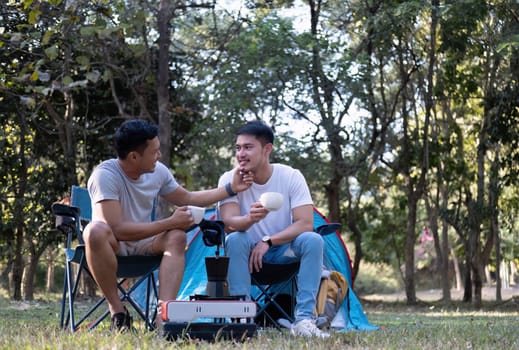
215, 315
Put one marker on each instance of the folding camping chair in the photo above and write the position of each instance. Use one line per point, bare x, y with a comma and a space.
71, 220
277, 280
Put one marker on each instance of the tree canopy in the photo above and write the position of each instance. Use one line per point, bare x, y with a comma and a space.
403, 115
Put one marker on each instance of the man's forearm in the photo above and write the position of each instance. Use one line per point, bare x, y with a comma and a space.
238, 223
133, 231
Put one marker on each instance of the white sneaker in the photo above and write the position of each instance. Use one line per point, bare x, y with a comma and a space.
307, 328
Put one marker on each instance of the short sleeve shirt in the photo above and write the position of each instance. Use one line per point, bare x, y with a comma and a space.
136, 197
286, 180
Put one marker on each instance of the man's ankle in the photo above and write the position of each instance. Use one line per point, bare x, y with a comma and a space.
117, 309
158, 318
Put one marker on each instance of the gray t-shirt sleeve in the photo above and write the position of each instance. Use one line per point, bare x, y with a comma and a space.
136, 197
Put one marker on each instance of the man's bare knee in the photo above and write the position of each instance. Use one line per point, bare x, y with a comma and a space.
97, 232
174, 240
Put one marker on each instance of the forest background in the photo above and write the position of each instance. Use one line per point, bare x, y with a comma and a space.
402, 115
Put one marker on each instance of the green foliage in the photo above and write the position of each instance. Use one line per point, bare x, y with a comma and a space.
459, 21
71, 71
253, 79
383, 225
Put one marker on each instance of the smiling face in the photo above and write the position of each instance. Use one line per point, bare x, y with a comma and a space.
146, 160
251, 154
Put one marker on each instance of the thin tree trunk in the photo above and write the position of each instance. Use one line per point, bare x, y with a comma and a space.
410, 240
445, 248
467, 280
88, 285
357, 241
164, 16
5, 277
50, 261
475, 217
493, 194
441, 247
19, 203
17, 271
28, 278
456, 267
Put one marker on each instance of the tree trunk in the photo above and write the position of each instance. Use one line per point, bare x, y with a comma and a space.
50, 260
478, 282
28, 278
357, 240
456, 267
164, 118
17, 271
467, 280
493, 195
513, 271
164, 16
475, 217
19, 186
88, 285
332, 196
475, 257
441, 247
5, 277
410, 239
445, 249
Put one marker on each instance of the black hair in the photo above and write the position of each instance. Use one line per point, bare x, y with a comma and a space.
259, 129
133, 135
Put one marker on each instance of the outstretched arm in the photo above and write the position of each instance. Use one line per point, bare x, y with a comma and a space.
240, 182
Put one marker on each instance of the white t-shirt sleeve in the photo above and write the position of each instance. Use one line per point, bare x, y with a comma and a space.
299, 191
224, 179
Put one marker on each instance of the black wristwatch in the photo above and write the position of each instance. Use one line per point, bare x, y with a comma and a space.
267, 240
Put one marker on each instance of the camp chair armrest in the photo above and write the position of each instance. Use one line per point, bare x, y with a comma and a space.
213, 232
59, 209
326, 229
67, 220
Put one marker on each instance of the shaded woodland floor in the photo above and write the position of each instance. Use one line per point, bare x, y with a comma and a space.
432, 295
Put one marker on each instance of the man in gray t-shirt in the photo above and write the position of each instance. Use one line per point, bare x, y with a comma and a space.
123, 192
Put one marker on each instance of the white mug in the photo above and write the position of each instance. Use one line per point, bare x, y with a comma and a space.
271, 200
197, 213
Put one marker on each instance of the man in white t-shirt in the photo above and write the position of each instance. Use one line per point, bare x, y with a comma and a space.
123, 192
281, 236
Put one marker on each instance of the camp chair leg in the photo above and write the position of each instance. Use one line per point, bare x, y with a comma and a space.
70, 292
151, 285
151, 290
100, 318
63, 302
270, 299
126, 296
71, 296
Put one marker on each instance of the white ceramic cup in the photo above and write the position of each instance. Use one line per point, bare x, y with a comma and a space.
197, 213
271, 200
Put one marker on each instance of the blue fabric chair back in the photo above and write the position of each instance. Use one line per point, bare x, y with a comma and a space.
81, 198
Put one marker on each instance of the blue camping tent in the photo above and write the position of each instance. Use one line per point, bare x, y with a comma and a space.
351, 317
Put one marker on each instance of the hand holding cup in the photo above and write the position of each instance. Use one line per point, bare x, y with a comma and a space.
271, 200
197, 213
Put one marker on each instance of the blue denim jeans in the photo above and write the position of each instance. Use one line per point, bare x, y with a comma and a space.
306, 248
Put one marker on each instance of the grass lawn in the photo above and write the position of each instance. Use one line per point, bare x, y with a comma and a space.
34, 325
